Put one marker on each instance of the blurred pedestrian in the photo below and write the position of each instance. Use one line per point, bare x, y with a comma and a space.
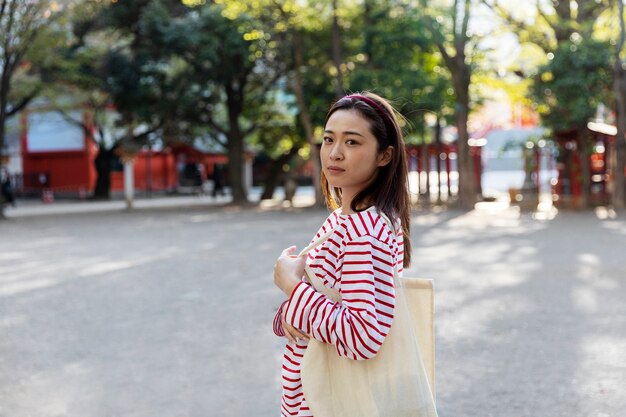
342, 290
7, 188
218, 180
290, 188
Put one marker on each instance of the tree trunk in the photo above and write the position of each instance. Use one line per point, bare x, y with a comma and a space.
425, 169
619, 192
102, 162
423, 193
236, 161
337, 55
1, 194
618, 197
467, 184
274, 176
275, 173
305, 118
236, 167
461, 78
368, 36
4, 99
2, 129
438, 159
585, 168
2, 216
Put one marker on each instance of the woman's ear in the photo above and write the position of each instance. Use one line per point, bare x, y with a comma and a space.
385, 156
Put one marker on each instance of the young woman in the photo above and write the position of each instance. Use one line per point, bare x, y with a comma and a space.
364, 179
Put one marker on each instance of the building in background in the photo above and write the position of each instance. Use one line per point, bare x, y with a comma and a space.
53, 155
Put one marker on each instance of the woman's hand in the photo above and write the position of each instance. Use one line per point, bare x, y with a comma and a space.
291, 332
288, 270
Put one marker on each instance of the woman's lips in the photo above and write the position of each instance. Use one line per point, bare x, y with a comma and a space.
334, 170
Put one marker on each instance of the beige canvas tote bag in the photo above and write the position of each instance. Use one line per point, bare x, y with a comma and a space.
398, 381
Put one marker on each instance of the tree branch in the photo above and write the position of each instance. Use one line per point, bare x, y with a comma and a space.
455, 16
466, 18
69, 119
540, 39
589, 11
33, 32
11, 16
24, 102
144, 135
223, 144
282, 11
251, 129
460, 39
217, 127
272, 80
437, 35
545, 17
3, 7
622, 37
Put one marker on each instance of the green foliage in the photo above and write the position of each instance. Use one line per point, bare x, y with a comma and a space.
276, 136
147, 79
569, 88
396, 60
170, 66
31, 33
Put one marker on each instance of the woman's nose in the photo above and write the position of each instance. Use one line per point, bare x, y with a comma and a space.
336, 153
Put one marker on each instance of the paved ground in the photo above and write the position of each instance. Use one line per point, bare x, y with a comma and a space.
167, 311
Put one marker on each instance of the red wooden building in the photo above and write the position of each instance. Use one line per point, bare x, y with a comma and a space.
59, 158
441, 159
568, 188
55, 155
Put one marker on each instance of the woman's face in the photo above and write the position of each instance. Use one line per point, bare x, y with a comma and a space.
349, 154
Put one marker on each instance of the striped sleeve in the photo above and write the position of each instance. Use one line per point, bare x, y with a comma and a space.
277, 324
359, 324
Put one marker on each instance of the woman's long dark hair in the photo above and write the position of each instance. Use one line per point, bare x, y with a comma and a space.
389, 191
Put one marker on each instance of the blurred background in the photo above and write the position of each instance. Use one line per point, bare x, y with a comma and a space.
505, 100
149, 149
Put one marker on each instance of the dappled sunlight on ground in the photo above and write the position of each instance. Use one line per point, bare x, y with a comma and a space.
516, 296
168, 312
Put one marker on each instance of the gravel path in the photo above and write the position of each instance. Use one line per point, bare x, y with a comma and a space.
167, 312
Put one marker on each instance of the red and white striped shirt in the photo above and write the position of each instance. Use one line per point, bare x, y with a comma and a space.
357, 260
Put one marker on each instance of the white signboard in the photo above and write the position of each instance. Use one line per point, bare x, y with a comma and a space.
49, 131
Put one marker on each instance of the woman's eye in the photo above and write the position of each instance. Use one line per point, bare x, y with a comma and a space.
351, 142
327, 139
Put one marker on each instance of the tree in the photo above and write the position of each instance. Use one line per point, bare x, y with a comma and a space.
618, 164
337, 51
294, 27
414, 82
554, 21
239, 70
93, 75
277, 140
178, 72
78, 80
24, 26
569, 89
566, 29
298, 22
453, 41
